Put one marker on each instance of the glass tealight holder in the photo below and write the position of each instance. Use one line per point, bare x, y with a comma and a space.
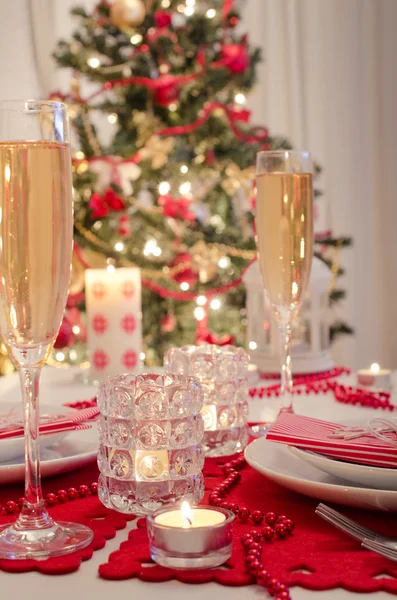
150, 432
222, 372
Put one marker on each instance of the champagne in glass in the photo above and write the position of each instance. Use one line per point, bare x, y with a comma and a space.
36, 237
284, 237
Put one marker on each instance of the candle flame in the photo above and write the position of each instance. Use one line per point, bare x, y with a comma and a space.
187, 514
375, 368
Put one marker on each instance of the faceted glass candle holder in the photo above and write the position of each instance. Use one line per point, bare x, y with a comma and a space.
222, 372
150, 432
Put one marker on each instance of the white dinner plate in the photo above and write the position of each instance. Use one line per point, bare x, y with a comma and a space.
74, 451
380, 478
275, 461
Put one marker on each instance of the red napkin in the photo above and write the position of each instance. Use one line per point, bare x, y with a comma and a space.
317, 435
70, 421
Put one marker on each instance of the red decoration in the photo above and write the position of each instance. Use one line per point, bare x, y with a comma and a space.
99, 324
168, 323
100, 360
210, 157
162, 18
129, 359
128, 289
167, 90
128, 323
177, 208
235, 58
211, 338
188, 275
65, 335
99, 290
102, 205
124, 227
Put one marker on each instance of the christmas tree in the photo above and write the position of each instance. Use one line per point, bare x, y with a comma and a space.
172, 190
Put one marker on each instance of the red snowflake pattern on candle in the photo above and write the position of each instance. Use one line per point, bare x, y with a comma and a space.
128, 289
100, 360
128, 323
129, 359
98, 290
99, 324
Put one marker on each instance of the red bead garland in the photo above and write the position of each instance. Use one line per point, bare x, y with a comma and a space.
252, 541
319, 383
10, 507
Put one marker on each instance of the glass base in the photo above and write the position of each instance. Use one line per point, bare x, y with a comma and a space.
225, 442
39, 544
205, 560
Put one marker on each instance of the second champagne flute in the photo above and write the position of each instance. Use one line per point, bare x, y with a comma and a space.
284, 238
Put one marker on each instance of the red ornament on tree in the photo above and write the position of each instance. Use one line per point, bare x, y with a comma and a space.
124, 227
168, 322
65, 335
188, 274
162, 18
235, 57
177, 208
166, 90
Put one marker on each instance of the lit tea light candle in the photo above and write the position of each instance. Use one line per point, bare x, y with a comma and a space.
191, 538
375, 377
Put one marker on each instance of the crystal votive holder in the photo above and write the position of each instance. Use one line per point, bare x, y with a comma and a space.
191, 547
223, 375
150, 433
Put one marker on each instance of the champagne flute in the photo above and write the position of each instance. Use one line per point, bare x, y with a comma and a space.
284, 238
36, 238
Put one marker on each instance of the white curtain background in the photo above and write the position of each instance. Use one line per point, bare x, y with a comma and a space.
329, 84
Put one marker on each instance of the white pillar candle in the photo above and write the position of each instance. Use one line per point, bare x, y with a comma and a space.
114, 320
375, 377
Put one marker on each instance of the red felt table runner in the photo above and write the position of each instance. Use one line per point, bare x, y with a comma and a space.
316, 556
88, 511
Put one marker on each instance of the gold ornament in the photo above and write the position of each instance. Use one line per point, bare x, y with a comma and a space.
238, 178
126, 14
146, 123
157, 149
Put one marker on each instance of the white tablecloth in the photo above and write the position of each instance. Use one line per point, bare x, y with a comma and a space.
59, 386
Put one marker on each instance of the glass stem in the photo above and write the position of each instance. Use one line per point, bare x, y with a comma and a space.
286, 374
33, 514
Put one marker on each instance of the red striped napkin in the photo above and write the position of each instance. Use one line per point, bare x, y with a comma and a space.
70, 421
314, 434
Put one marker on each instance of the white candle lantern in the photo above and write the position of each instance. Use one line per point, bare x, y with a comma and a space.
310, 330
114, 320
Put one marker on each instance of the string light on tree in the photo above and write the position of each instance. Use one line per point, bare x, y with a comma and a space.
185, 188
152, 249
210, 14
224, 262
252, 345
239, 98
199, 313
185, 286
166, 3
60, 356
119, 246
93, 62
80, 155
189, 11
76, 329
173, 107
215, 304
201, 300
136, 39
164, 188
184, 169
112, 118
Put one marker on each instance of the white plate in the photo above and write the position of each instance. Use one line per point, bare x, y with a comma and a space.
380, 478
77, 450
13, 448
276, 462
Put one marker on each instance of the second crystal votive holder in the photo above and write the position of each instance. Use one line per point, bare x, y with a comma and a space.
150, 432
222, 372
